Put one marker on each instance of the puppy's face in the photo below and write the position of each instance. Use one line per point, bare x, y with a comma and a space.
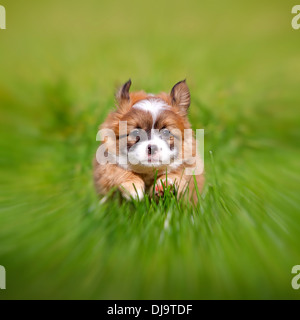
153, 129
150, 129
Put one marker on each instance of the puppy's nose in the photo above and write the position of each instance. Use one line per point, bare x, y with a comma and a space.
152, 149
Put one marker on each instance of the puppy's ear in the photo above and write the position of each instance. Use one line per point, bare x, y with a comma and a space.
180, 97
122, 95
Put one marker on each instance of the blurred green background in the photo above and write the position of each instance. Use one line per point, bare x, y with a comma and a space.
60, 62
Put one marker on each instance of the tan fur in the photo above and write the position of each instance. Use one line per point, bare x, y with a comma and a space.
128, 182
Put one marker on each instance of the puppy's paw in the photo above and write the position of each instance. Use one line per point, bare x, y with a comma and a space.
131, 191
164, 185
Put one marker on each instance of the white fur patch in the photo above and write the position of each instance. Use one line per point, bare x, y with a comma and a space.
153, 105
139, 155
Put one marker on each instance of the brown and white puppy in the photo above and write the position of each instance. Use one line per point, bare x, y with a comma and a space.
145, 139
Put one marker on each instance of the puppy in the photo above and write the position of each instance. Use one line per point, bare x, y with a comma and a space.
145, 148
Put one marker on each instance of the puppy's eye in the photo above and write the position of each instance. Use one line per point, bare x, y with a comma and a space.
134, 134
165, 133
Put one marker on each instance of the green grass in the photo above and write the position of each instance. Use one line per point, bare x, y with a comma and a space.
60, 62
